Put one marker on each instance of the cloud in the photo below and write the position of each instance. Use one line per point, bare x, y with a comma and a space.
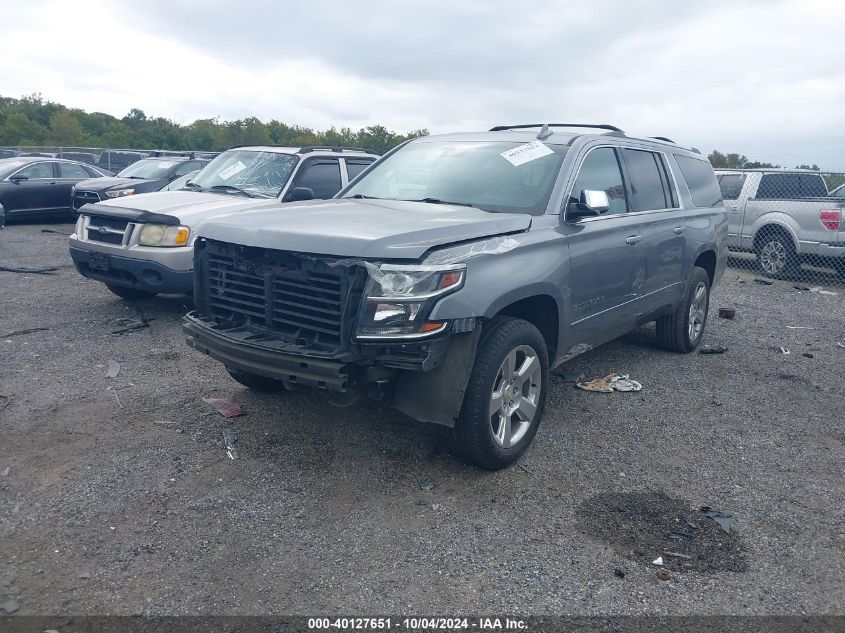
759, 77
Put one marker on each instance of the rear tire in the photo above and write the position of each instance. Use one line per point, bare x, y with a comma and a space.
505, 396
776, 254
130, 294
683, 330
258, 383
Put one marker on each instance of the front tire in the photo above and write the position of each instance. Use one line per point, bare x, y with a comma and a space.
130, 294
258, 383
683, 330
505, 396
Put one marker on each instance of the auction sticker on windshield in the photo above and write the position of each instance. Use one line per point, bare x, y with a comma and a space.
522, 154
231, 170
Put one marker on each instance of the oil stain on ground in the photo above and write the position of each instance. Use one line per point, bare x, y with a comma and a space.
645, 526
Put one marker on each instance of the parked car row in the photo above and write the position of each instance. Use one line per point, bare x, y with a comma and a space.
446, 278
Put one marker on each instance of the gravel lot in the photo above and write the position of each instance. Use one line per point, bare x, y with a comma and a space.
136, 509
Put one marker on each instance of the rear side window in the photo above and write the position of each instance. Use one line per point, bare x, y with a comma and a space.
71, 170
813, 186
779, 186
700, 180
731, 185
600, 172
355, 167
321, 176
648, 180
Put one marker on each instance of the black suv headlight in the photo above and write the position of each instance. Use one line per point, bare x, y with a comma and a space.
399, 298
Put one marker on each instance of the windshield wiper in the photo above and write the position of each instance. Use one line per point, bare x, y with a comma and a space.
192, 184
361, 196
439, 201
232, 188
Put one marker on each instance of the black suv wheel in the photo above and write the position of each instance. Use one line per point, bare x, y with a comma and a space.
683, 330
504, 400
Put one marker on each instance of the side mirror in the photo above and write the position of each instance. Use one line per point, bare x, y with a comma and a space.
18, 178
298, 194
593, 202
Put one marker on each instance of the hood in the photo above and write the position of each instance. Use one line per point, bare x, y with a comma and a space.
379, 229
190, 207
110, 182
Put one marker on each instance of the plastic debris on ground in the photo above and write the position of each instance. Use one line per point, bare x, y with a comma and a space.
657, 561
226, 407
428, 485
624, 383
10, 606
784, 350
802, 288
842, 345
618, 573
724, 519
229, 440
6, 471
799, 327
765, 282
664, 574
113, 369
820, 290
717, 349
727, 313
27, 331
610, 383
807, 355
5, 401
130, 325
34, 271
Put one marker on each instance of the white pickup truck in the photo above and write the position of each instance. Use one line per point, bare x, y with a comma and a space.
784, 217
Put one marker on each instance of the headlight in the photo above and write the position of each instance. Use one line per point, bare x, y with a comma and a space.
120, 193
400, 298
164, 235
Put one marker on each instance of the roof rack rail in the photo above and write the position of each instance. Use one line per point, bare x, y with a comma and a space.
663, 138
598, 126
333, 148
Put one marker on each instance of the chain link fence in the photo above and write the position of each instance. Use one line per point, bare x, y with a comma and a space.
786, 224
110, 159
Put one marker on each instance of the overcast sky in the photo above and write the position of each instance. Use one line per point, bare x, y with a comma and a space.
764, 78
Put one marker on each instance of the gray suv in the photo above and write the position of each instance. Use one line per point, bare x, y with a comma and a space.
458, 270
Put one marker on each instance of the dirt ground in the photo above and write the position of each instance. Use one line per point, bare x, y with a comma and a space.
117, 496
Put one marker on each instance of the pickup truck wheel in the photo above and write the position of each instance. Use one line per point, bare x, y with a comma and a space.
776, 255
256, 382
130, 293
504, 400
683, 330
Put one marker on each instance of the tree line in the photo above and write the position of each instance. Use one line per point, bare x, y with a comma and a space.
740, 161
32, 121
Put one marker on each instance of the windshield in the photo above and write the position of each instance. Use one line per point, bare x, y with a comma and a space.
149, 168
467, 172
254, 173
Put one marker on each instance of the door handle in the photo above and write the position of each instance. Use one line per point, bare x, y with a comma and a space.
633, 240
679, 229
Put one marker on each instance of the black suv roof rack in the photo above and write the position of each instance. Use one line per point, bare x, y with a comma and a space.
598, 126
333, 148
663, 138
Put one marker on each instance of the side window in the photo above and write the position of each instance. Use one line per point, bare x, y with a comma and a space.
647, 181
813, 186
699, 176
600, 172
779, 186
322, 176
731, 185
72, 171
186, 167
38, 170
355, 166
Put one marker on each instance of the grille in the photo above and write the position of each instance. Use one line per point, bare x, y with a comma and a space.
106, 230
81, 198
304, 300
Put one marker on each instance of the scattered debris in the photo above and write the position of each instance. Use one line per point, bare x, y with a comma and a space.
22, 332
130, 325
428, 485
436, 506
807, 355
113, 369
658, 561
799, 327
820, 290
34, 271
56, 232
677, 555
229, 440
116, 397
5, 401
226, 407
85, 575
719, 349
618, 573
727, 313
6, 471
10, 606
784, 350
664, 574
840, 344
765, 282
724, 519
802, 288
610, 383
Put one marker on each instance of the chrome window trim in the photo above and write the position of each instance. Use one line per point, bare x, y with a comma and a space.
27, 166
